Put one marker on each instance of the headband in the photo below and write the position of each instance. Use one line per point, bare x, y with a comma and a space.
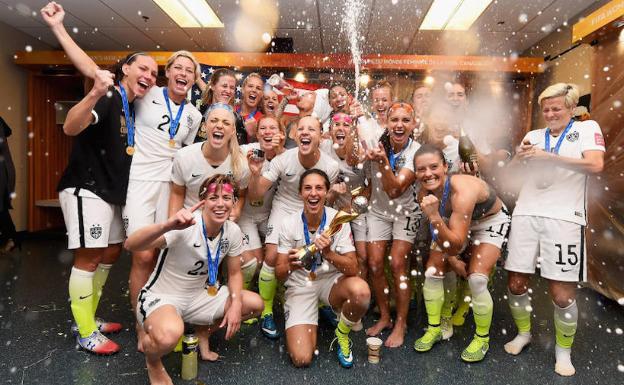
341, 118
217, 106
134, 55
212, 188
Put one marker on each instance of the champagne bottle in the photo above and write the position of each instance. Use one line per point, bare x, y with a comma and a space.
467, 150
189, 354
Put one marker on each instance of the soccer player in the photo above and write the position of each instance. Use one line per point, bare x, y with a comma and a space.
548, 223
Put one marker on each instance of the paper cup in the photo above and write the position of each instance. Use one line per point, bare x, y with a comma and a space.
374, 349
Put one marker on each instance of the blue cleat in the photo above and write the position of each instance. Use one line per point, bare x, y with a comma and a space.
269, 328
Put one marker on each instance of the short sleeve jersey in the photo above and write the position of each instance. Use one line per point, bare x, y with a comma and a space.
292, 237
260, 207
98, 161
285, 169
556, 192
153, 156
183, 265
381, 203
190, 169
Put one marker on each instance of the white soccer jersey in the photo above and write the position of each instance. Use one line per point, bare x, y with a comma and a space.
381, 203
183, 265
352, 175
260, 207
153, 155
285, 169
556, 192
291, 236
190, 169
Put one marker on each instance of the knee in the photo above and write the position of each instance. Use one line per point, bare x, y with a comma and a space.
562, 299
166, 335
253, 303
359, 292
517, 286
301, 359
375, 266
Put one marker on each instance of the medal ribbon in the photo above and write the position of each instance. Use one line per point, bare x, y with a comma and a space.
559, 142
306, 232
393, 158
127, 114
173, 126
445, 195
213, 264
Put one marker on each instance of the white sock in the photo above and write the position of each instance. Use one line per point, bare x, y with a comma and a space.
563, 362
516, 345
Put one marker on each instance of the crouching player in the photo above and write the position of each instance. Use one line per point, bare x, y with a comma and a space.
333, 278
184, 287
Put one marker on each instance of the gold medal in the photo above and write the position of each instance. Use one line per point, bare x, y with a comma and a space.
212, 291
312, 276
130, 150
171, 143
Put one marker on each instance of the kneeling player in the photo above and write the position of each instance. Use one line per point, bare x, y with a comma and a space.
184, 286
332, 279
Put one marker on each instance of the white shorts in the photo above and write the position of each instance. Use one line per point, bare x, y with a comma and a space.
557, 247
358, 229
403, 227
301, 302
275, 221
147, 202
254, 230
492, 230
90, 221
197, 308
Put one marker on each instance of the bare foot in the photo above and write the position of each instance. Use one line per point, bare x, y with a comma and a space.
396, 338
157, 373
204, 349
140, 337
381, 325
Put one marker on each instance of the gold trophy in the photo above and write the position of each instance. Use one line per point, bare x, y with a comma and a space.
359, 205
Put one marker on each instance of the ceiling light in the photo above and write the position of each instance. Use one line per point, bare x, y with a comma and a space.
190, 13
458, 15
429, 80
300, 77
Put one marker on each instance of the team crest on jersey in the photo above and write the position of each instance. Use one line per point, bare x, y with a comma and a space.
245, 239
573, 136
125, 223
269, 230
95, 231
400, 162
225, 245
189, 120
230, 174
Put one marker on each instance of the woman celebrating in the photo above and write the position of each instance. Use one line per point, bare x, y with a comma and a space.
221, 88
550, 217
395, 216
459, 207
184, 287
249, 109
333, 278
91, 197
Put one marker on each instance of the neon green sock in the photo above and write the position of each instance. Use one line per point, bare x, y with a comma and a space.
81, 295
450, 283
344, 325
99, 279
520, 306
565, 325
433, 292
267, 286
482, 304
249, 270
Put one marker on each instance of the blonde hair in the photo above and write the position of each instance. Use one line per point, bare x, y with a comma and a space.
569, 91
236, 155
384, 84
253, 75
187, 55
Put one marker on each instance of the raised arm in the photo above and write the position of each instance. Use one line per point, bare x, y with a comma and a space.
53, 15
258, 185
81, 116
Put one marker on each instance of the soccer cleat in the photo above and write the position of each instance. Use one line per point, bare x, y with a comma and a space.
447, 328
98, 343
103, 326
327, 314
269, 329
477, 349
459, 318
345, 356
430, 338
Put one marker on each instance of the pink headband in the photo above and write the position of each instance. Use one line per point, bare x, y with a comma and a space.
228, 188
342, 117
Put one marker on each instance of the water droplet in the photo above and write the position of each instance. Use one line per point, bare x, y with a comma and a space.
75, 30
28, 48
403, 286
523, 18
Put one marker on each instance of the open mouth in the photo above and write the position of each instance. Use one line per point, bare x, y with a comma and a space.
253, 98
143, 85
313, 202
306, 141
219, 213
218, 136
340, 137
268, 139
429, 183
181, 82
270, 106
398, 133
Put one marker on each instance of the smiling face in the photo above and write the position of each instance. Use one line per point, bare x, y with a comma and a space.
556, 114
140, 75
269, 102
224, 89
219, 127
219, 202
267, 129
400, 125
456, 96
306, 102
180, 75
421, 100
313, 192
339, 99
340, 128
252, 92
430, 170
382, 98
308, 135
